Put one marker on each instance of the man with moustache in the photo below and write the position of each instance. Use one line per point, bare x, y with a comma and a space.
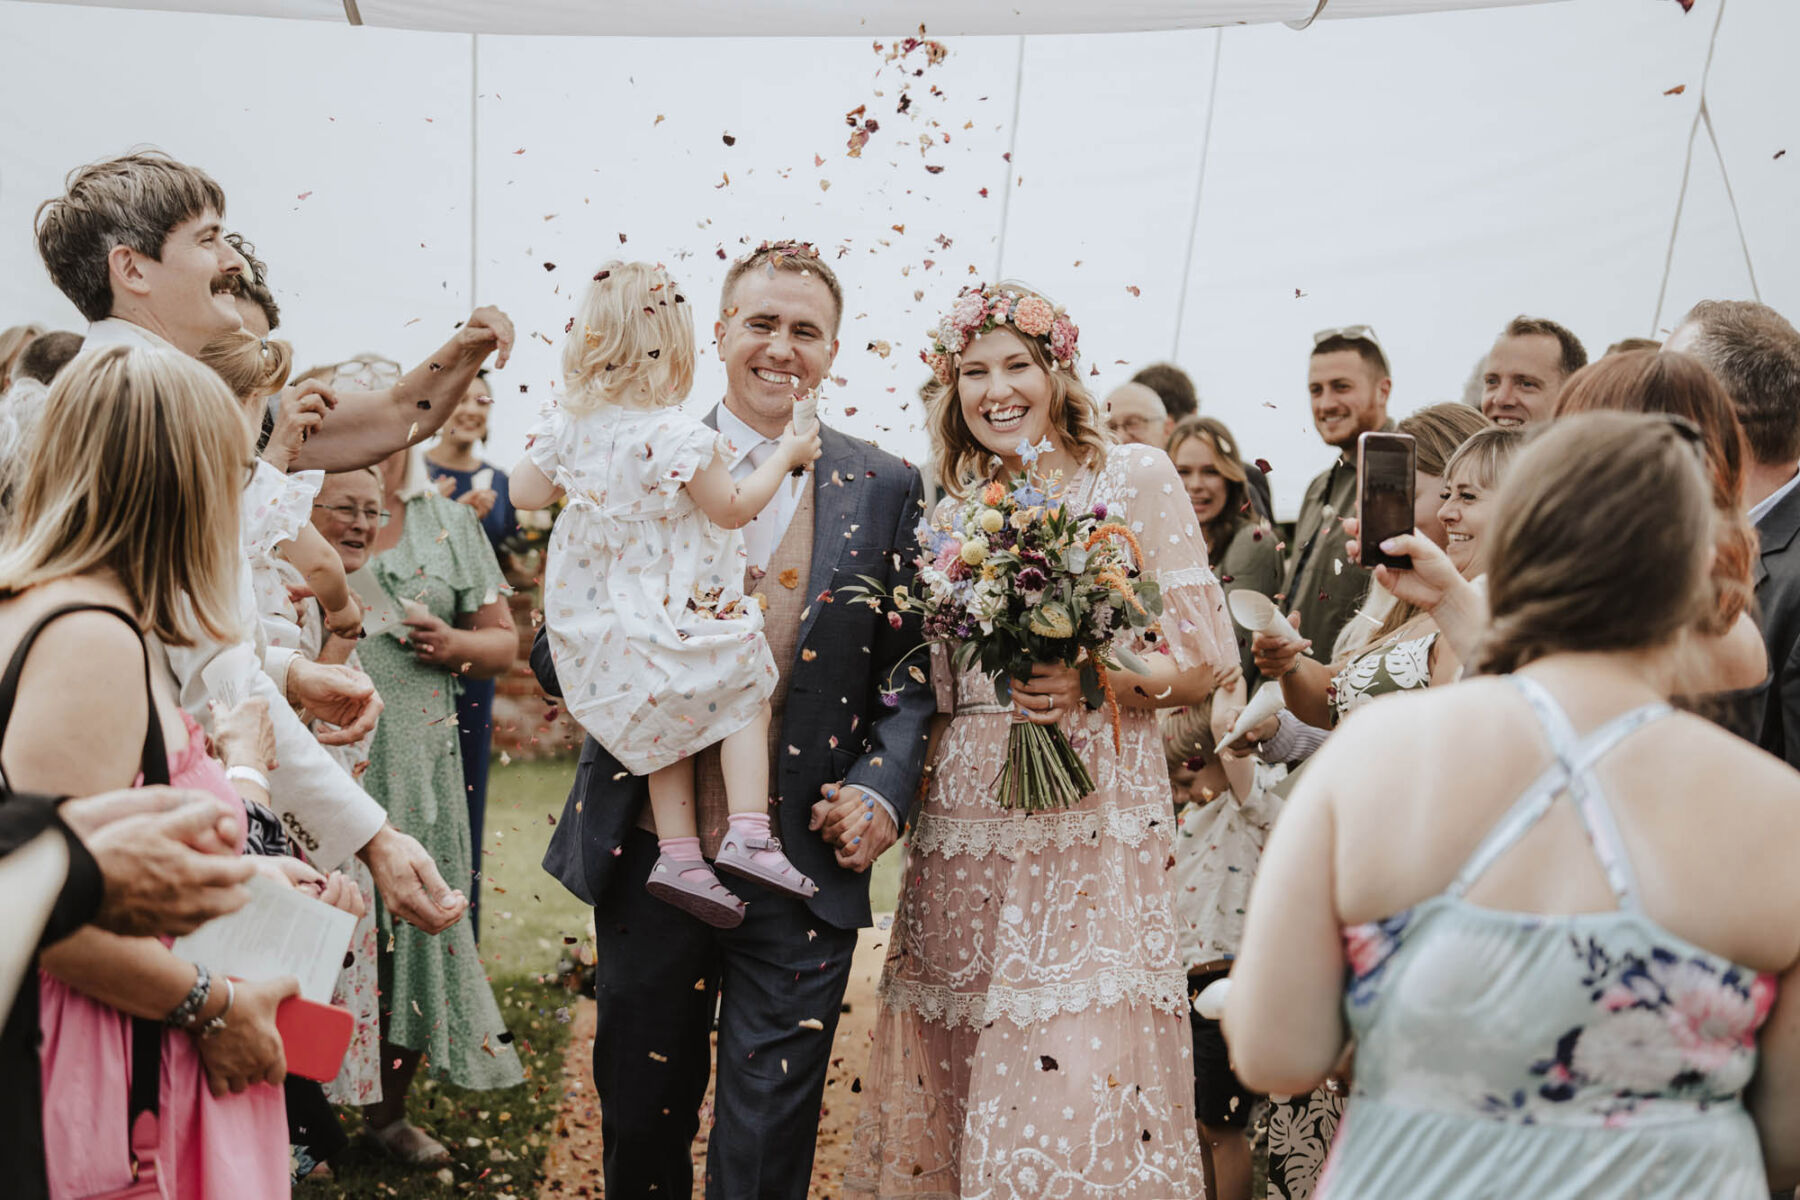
137, 244
847, 747
1349, 383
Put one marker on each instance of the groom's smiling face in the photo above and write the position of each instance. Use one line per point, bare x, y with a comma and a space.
777, 336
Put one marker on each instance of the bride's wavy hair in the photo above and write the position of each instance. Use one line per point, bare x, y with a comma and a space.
962, 460
1602, 539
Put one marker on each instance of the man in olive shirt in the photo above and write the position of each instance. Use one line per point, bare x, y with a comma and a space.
1349, 383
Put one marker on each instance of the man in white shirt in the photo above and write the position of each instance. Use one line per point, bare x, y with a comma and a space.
1755, 353
137, 244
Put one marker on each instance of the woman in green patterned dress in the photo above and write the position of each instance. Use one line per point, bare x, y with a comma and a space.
441, 589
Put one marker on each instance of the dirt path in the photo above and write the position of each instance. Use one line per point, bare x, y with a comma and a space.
572, 1168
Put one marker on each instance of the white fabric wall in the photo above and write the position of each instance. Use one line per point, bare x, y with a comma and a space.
1431, 175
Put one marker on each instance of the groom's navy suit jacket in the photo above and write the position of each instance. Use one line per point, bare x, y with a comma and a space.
866, 506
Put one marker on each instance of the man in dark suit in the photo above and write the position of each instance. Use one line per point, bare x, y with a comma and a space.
1755, 353
847, 748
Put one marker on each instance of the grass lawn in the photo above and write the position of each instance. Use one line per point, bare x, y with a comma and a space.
497, 1139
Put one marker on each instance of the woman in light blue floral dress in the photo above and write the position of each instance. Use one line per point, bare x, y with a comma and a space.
1559, 969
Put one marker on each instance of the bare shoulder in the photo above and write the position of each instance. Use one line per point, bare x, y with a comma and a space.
1414, 728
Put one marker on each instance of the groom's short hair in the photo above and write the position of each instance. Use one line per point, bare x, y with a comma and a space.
800, 258
135, 200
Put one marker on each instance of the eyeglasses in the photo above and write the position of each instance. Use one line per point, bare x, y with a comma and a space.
1129, 424
1353, 333
349, 512
370, 371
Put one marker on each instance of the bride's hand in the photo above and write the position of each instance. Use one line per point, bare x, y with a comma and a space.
1052, 693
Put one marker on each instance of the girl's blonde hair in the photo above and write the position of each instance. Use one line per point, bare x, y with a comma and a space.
633, 333
251, 367
137, 466
1074, 416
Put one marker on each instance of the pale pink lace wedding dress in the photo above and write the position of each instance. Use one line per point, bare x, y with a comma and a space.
1033, 1039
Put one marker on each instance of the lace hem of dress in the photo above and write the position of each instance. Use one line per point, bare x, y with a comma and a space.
1165, 991
1013, 837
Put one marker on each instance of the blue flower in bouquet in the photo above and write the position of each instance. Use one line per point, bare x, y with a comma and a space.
1027, 495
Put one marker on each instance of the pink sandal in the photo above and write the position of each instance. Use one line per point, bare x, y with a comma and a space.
737, 855
704, 899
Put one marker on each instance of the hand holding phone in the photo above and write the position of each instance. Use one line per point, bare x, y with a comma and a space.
1385, 479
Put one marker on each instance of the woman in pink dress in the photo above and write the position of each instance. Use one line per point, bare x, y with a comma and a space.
126, 524
1033, 1038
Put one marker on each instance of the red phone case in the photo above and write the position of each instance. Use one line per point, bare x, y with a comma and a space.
315, 1037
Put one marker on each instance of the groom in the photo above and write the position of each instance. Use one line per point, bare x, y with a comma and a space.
846, 749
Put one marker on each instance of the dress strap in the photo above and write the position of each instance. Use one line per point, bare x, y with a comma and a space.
1571, 772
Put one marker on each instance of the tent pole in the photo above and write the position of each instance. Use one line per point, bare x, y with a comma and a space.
1012, 165
1187, 262
1687, 170
474, 163
1730, 196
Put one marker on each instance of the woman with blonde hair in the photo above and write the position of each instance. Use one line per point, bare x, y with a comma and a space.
12, 345
1032, 1039
126, 525
277, 507
1584, 999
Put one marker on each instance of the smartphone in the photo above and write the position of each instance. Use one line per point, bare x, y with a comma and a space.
1385, 478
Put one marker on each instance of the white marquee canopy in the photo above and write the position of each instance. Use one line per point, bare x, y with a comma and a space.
805, 18
1206, 195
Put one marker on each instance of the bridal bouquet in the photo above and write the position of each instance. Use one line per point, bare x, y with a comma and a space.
1017, 575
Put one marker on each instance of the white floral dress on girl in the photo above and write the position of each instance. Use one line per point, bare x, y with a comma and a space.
658, 651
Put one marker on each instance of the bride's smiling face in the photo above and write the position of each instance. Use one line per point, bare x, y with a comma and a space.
1005, 394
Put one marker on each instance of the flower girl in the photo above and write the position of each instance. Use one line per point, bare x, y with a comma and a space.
658, 651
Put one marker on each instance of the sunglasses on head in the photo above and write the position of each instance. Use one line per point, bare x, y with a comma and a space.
367, 370
1354, 333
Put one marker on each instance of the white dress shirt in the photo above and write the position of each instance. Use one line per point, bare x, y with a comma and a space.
764, 532
1762, 507
327, 812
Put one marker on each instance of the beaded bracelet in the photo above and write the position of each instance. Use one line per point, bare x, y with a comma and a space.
186, 1015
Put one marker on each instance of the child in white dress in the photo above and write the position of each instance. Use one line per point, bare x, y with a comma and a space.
658, 650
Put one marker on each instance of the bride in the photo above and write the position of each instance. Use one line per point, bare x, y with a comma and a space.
1033, 1039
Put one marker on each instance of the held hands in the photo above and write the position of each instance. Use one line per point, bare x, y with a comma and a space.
799, 450
336, 695
487, 331
347, 621
248, 1050
1275, 656
244, 737
850, 820
337, 889
409, 882
1052, 693
168, 857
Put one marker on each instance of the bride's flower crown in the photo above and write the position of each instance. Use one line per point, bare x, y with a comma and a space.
980, 308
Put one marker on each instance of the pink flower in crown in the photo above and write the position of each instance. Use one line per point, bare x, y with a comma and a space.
998, 308
952, 335
1033, 316
939, 364
1062, 339
968, 316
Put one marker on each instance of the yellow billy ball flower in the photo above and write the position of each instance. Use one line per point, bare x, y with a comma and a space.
991, 520
975, 551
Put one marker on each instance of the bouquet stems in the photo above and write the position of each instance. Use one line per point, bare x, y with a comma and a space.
1042, 770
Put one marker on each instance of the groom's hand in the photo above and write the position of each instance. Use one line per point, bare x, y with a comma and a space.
854, 824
